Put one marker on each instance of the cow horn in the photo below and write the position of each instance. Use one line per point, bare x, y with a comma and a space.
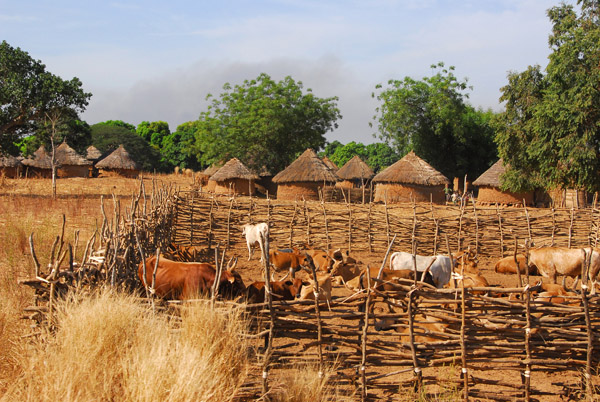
231, 267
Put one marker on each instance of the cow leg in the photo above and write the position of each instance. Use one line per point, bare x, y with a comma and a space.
249, 250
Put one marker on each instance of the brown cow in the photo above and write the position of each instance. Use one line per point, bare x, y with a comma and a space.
322, 259
471, 281
183, 280
286, 261
507, 265
288, 290
343, 272
325, 285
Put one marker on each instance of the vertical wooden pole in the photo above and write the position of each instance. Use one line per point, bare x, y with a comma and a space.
463, 348
318, 315
590, 334
413, 350
363, 360
210, 223
517, 264
500, 229
269, 339
326, 225
229, 223
349, 227
571, 227
460, 220
292, 224
476, 227
307, 219
528, 221
192, 221
387, 219
527, 373
553, 226
436, 232
370, 236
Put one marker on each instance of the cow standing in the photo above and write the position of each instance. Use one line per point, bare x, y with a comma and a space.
183, 280
254, 234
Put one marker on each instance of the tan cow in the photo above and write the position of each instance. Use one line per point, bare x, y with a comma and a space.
507, 265
553, 261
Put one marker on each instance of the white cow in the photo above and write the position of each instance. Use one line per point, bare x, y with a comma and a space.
440, 270
256, 234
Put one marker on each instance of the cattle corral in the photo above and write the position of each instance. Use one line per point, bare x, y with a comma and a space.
506, 348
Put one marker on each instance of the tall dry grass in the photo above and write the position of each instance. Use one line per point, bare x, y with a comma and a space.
111, 347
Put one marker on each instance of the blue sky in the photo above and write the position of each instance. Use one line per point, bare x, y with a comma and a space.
155, 60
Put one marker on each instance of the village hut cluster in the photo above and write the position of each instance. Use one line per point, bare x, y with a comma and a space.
69, 163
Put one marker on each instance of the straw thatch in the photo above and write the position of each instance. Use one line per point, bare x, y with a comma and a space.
10, 166
330, 164
490, 192
234, 169
355, 168
412, 170
491, 177
307, 168
118, 162
233, 178
65, 156
93, 154
40, 159
212, 169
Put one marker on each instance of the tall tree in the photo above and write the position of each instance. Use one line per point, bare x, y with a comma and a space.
31, 96
561, 117
153, 132
431, 117
177, 147
264, 123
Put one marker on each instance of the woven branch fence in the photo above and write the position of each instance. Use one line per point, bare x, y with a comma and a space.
482, 336
205, 220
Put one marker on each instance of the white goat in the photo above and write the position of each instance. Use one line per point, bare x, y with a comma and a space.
256, 234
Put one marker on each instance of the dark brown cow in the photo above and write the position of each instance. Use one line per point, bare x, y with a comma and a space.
288, 290
183, 280
322, 259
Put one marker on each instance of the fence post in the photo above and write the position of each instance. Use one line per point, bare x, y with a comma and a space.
571, 227
590, 335
363, 360
229, 223
292, 223
500, 228
527, 373
417, 370
463, 349
326, 225
476, 227
369, 235
269, 339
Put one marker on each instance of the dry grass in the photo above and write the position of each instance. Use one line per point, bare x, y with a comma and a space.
111, 347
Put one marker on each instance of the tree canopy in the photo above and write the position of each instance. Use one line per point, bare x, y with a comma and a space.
549, 135
264, 123
377, 156
107, 137
30, 95
431, 117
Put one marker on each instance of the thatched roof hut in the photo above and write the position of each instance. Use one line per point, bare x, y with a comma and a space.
70, 163
233, 178
304, 177
330, 164
355, 173
39, 164
93, 154
490, 192
410, 179
10, 166
204, 176
120, 163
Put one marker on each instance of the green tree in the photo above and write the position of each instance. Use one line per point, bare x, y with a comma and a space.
31, 97
554, 119
432, 118
107, 137
343, 154
330, 148
380, 155
120, 123
264, 123
177, 147
153, 132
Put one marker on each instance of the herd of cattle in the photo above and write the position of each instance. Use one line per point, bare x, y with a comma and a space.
170, 279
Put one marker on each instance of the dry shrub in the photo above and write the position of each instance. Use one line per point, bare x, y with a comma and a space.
111, 347
303, 384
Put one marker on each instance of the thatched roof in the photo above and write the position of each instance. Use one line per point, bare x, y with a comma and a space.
40, 159
330, 164
491, 177
234, 169
118, 159
65, 155
307, 168
9, 161
212, 169
412, 170
355, 168
93, 153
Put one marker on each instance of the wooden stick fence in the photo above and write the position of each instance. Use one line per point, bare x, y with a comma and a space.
203, 220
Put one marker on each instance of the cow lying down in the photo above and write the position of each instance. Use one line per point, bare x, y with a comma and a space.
439, 266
